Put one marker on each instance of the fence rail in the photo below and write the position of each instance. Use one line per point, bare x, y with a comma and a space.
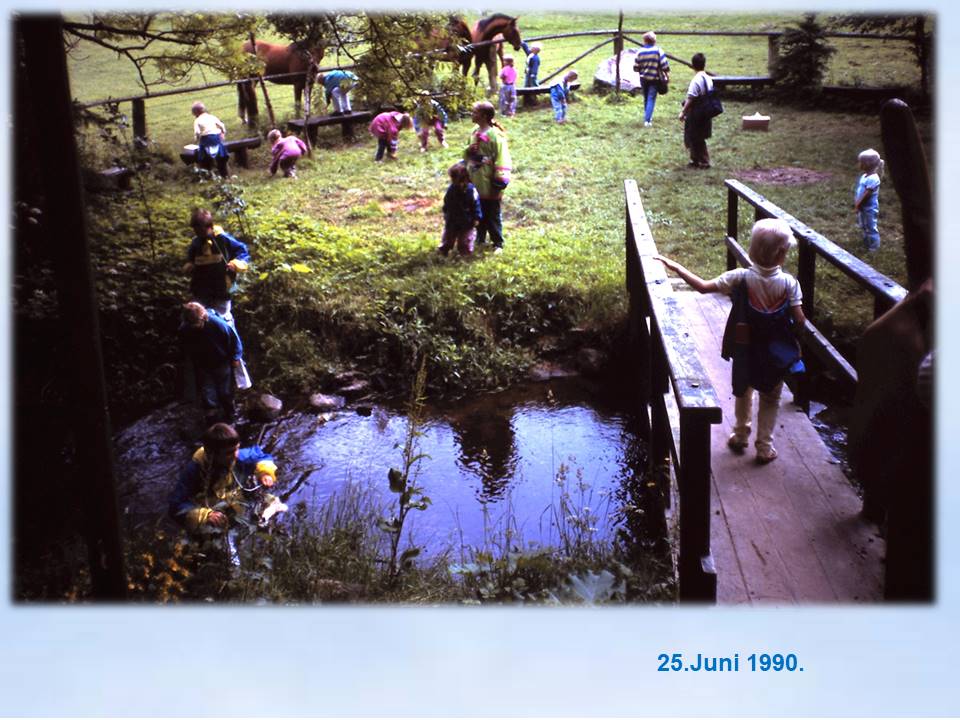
886, 292
671, 368
811, 244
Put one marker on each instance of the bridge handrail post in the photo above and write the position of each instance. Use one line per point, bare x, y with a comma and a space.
733, 202
698, 578
668, 361
807, 275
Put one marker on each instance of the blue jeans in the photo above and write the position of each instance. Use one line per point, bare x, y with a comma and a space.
867, 220
649, 99
559, 109
491, 222
384, 145
216, 392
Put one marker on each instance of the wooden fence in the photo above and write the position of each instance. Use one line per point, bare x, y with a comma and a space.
615, 36
682, 403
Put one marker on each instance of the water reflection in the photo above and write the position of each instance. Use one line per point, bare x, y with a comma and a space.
491, 462
487, 449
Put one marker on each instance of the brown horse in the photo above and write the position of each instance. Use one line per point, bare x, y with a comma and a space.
492, 28
279, 59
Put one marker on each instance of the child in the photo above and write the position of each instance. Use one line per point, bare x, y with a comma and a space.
766, 302
508, 91
533, 63
214, 348
386, 129
866, 201
337, 85
286, 151
210, 134
429, 115
461, 212
214, 259
489, 164
560, 95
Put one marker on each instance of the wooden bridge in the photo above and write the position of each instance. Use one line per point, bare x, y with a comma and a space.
785, 533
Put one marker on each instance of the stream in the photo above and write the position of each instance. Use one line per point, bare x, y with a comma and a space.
543, 460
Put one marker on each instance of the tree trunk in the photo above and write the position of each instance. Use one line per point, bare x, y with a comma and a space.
84, 384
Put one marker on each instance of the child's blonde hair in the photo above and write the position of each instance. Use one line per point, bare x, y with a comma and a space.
572, 75
508, 59
871, 160
769, 238
273, 136
198, 108
535, 47
406, 122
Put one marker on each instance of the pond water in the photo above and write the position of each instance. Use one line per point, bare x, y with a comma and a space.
543, 459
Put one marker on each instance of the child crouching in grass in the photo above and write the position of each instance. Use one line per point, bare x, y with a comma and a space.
285, 152
560, 96
766, 304
461, 212
386, 129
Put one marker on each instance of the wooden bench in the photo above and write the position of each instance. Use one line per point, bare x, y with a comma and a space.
529, 94
236, 148
346, 122
722, 81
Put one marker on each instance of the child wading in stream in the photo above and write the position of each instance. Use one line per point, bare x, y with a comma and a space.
759, 337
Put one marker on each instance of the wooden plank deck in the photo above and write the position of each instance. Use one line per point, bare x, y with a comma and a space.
789, 532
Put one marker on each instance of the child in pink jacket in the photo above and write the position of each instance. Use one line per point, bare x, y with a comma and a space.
508, 91
386, 129
286, 151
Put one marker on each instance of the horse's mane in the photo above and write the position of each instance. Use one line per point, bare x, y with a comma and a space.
484, 23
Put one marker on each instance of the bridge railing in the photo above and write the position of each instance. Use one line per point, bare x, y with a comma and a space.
810, 245
682, 402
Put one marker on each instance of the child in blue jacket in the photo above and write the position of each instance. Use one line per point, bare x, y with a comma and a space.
461, 212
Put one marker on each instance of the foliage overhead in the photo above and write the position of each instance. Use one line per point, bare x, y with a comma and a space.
166, 48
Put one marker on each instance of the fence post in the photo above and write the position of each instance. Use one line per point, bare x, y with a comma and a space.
698, 576
732, 225
773, 53
139, 119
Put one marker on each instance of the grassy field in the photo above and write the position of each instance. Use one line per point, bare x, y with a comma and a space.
345, 272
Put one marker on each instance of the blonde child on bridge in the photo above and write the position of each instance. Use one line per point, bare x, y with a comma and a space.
766, 305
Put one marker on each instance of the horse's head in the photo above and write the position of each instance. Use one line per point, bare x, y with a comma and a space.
310, 54
512, 33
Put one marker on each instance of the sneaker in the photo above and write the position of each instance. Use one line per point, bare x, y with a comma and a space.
497, 251
647, 124
767, 455
737, 444
423, 149
444, 144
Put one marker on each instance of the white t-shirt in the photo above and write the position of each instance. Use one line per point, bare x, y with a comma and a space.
207, 124
700, 85
767, 288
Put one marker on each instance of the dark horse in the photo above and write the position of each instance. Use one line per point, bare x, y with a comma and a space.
491, 28
279, 59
